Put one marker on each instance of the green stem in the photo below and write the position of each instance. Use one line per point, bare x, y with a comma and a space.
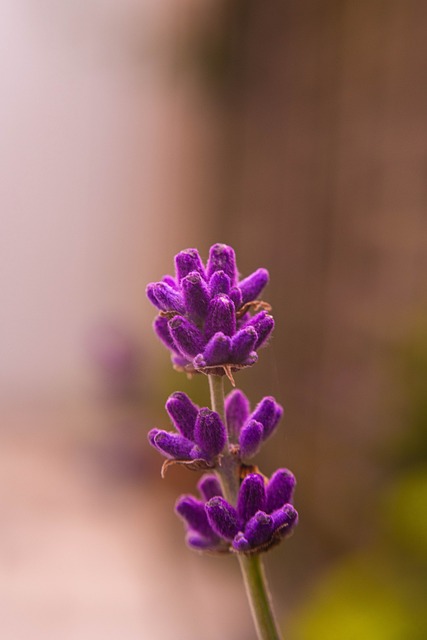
251, 566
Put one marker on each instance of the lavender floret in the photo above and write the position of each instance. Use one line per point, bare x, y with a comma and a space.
209, 433
251, 497
222, 517
250, 439
280, 489
209, 486
237, 411
183, 413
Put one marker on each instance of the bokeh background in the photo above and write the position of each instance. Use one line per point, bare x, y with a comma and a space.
297, 132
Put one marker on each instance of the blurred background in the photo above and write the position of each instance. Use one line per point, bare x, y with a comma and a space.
297, 132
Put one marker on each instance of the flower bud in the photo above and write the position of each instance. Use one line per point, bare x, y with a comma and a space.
252, 286
251, 496
222, 517
209, 432
183, 413
222, 258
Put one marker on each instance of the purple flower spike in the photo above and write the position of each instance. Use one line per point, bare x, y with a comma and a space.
209, 486
217, 350
222, 517
222, 258
173, 445
259, 530
188, 261
196, 296
251, 496
193, 512
164, 297
221, 317
243, 343
219, 283
186, 336
183, 413
280, 489
284, 520
263, 324
250, 439
209, 432
236, 411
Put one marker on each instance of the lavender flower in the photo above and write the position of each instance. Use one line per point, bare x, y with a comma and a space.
212, 322
251, 430
200, 436
263, 517
205, 316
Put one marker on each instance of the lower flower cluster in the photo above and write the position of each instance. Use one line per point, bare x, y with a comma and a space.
264, 514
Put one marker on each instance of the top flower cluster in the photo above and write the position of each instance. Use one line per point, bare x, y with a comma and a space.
205, 318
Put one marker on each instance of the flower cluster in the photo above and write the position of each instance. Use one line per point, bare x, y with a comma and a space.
264, 514
201, 434
205, 318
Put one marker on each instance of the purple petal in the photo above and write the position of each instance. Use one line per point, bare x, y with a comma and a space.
151, 435
200, 543
259, 530
284, 520
236, 297
270, 428
250, 439
266, 413
219, 283
222, 258
193, 512
164, 297
236, 411
188, 261
280, 489
217, 350
221, 317
161, 328
170, 281
251, 497
222, 517
173, 445
252, 286
209, 486
183, 413
263, 324
242, 344
186, 337
240, 543
196, 296
209, 432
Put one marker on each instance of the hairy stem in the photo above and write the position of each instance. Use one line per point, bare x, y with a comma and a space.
250, 565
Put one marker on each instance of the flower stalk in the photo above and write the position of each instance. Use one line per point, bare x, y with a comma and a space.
251, 566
